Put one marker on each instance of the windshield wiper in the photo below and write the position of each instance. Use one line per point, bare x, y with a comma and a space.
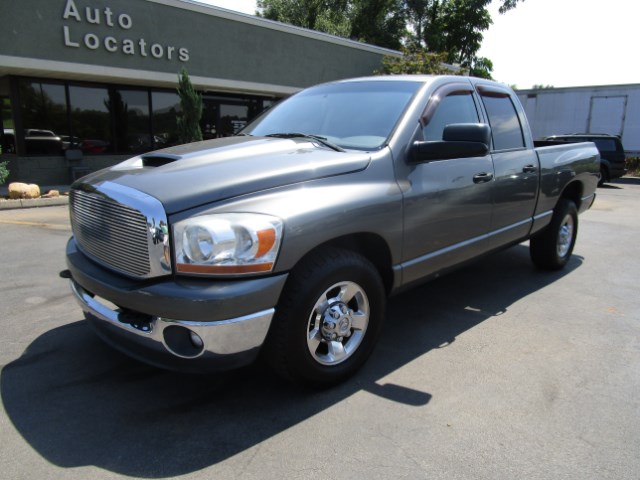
318, 138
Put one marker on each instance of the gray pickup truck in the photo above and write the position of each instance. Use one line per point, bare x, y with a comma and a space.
286, 240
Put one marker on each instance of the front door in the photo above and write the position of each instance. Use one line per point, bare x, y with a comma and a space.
447, 202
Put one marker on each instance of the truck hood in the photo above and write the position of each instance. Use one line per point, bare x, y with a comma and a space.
195, 174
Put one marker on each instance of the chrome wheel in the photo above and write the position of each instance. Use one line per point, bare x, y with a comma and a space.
328, 318
565, 236
338, 323
551, 248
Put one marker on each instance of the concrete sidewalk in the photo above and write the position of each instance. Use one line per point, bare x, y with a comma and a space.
6, 204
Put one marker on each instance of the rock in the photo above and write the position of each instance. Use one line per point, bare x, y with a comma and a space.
22, 190
51, 194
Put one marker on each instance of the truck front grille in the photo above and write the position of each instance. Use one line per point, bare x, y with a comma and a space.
112, 234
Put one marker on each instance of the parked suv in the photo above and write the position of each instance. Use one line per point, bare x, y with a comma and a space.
612, 158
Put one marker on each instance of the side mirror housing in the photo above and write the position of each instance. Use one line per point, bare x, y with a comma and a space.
459, 140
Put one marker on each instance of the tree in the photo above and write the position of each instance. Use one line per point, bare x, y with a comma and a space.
453, 28
378, 22
481, 67
416, 60
4, 171
541, 87
191, 105
328, 16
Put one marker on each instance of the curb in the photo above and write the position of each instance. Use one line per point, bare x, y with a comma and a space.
33, 203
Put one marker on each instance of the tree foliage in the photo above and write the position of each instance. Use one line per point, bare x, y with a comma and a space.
539, 86
453, 28
378, 22
191, 106
4, 171
417, 61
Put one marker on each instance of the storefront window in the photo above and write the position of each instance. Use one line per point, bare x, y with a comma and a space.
233, 118
111, 119
224, 117
209, 120
91, 110
131, 116
7, 135
44, 117
166, 106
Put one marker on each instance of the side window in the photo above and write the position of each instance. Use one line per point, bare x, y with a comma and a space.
604, 144
505, 125
455, 108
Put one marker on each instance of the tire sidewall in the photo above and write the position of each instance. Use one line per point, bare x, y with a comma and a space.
568, 208
305, 292
544, 246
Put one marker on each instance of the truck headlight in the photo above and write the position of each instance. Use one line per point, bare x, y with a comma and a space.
227, 244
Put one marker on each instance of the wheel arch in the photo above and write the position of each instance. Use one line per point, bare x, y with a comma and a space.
574, 192
370, 245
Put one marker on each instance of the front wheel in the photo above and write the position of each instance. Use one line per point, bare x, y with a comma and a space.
552, 248
328, 318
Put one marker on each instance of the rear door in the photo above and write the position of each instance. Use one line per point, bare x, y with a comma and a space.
516, 165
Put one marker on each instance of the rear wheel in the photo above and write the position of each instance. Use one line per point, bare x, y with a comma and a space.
604, 176
328, 319
551, 249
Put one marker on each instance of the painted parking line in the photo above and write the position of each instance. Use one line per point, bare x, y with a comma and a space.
36, 224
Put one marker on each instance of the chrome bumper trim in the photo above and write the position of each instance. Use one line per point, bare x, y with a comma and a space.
219, 338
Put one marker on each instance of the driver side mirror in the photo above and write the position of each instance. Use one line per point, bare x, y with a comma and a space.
459, 140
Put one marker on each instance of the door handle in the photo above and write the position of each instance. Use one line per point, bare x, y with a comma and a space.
482, 177
529, 169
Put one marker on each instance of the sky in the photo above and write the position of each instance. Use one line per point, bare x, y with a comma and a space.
561, 43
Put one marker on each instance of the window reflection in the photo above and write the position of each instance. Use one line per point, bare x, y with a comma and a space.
233, 118
90, 119
505, 125
7, 134
130, 110
166, 106
109, 119
44, 117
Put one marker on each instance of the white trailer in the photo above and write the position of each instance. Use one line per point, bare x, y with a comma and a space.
612, 109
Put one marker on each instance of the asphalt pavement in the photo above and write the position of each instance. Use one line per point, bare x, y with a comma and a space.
496, 371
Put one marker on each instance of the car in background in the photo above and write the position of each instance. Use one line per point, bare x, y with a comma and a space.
8, 141
612, 157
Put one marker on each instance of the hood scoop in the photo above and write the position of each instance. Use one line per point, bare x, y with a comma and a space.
158, 160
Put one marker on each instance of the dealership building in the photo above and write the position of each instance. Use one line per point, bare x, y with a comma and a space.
85, 84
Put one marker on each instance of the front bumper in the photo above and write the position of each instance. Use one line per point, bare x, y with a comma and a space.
192, 325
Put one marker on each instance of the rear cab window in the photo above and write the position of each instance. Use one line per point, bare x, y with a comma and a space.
503, 118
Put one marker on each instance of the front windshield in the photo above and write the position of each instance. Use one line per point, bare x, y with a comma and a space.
356, 115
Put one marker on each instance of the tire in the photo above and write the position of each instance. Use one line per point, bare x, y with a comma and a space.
328, 318
551, 249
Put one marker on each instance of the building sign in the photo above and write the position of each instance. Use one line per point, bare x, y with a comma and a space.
122, 40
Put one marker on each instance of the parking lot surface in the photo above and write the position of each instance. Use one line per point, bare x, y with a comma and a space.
496, 371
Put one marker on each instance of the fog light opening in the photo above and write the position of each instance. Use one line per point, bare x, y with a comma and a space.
183, 342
